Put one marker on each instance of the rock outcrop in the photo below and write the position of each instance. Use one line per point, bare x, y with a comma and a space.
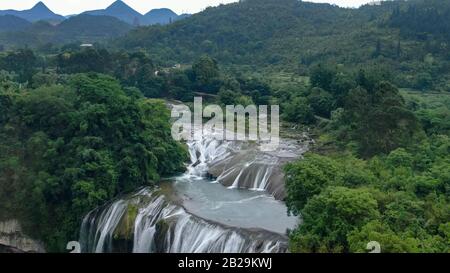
246, 165
13, 240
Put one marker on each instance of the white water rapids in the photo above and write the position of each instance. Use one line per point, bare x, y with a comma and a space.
195, 214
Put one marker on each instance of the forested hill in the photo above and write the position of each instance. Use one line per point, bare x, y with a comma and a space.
293, 35
12, 23
81, 29
250, 31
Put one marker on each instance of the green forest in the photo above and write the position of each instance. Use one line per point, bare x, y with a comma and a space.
81, 126
70, 147
379, 172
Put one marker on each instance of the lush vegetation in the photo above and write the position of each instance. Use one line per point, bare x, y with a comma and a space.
67, 148
80, 126
406, 37
386, 178
399, 200
74, 141
45, 35
137, 70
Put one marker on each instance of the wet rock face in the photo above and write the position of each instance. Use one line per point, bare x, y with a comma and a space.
12, 239
190, 234
162, 227
9, 249
250, 170
245, 165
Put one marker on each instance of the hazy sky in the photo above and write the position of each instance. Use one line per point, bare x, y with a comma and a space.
66, 7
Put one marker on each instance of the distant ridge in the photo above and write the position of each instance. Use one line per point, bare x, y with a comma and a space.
80, 29
39, 25
37, 13
119, 10
89, 29
160, 16
122, 11
12, 23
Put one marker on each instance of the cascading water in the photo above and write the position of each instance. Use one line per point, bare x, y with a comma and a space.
162, 227
194, 214
245, 165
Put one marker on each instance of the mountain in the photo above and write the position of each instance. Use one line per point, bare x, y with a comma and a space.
422, 19
295, 36
183, 15
88, 28
12, 23
82, 28
122, 11
39, 12
159, 16
119, 10
289, 33
255, 32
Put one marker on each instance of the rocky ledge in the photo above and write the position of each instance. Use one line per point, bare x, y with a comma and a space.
13, 240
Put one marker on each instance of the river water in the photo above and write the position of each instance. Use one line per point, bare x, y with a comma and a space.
210, 200
197, 213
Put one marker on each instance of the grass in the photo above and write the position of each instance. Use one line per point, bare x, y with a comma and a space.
427, 100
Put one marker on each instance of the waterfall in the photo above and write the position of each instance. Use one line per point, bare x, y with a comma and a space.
205, 151
192, 235
105, 221
147, 222
242, 164
162, 227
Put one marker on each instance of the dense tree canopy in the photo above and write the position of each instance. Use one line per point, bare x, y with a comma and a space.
80, 126
292, 35
399, 200
67, 149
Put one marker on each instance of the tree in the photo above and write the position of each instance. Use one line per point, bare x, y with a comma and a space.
377, 49
424, 81
84, 61
399, 49
228, 97
321, 102
298, 110
180, 87
22, 62
308, 177
5, 105
80, 145
400, 158
329, 217
389, 241
322, 76
382, 122
341, 85
206, 73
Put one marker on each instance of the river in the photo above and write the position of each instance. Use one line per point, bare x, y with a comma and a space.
225, 202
